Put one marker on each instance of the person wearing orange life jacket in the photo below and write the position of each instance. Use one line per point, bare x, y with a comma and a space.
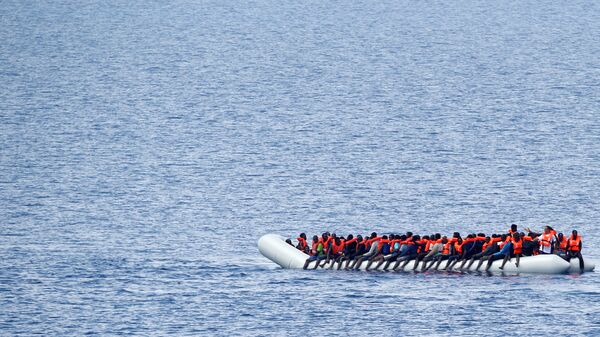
414, 246
422, 251
371, 245
489, 247
530, 245
316, 253
456, 254
396, 241
383, 249
328, 242
498, 254
349, 250
302, 244
361, 249
517, 250
546, 241
435, 249
574, 247
561, 245
337, 248
443, 255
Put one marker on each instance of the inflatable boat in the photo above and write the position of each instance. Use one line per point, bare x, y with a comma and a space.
274, 247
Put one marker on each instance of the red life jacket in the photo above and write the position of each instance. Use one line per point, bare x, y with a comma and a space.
573, 245
517, 246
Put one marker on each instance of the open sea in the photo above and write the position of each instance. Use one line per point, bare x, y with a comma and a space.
145, 146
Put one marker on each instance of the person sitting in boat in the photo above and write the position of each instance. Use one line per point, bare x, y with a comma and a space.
574, 247
546, 240
421, 251
302, 244
335, 253
444, 254
561, 245
505, 249
488, 248
455, 255
370, 244
316, 253
435, 248
414, 247
383, 249
530, 245
517, 250
495, 242
361, 249
348, 251
396, 243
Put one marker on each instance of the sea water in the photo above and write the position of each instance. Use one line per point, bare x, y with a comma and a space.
145, 146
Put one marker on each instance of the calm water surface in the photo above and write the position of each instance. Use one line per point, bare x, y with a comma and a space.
145, 146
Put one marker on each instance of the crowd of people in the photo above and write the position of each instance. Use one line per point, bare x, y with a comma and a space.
395, 251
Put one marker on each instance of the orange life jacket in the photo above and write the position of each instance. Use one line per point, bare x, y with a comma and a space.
496, 239
546, 239
428, 245
302, 243
458, 248
485, 245
381, 243
517, 246
446, 249
526, 238
563, 244
336, 249
574, 243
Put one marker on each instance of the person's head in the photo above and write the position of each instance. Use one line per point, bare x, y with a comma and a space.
456, 235
359, 238
503, 237
325, 236
481, 235
426, 237
334, 235
574, 234
516, 236
409, 234
444, 240
289, 242
338, 241
459, 240
494, 236
487, 239
561, 236
416, 238
547, 230
438, 236
373, 235
302, 235
350, 237
513, 228
402, 237
315, 238
385, 237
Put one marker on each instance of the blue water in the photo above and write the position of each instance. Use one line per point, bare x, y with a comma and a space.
145, 146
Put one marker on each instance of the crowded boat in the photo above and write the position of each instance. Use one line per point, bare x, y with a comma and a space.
396, 252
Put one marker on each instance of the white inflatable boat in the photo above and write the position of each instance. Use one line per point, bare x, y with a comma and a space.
274, 247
